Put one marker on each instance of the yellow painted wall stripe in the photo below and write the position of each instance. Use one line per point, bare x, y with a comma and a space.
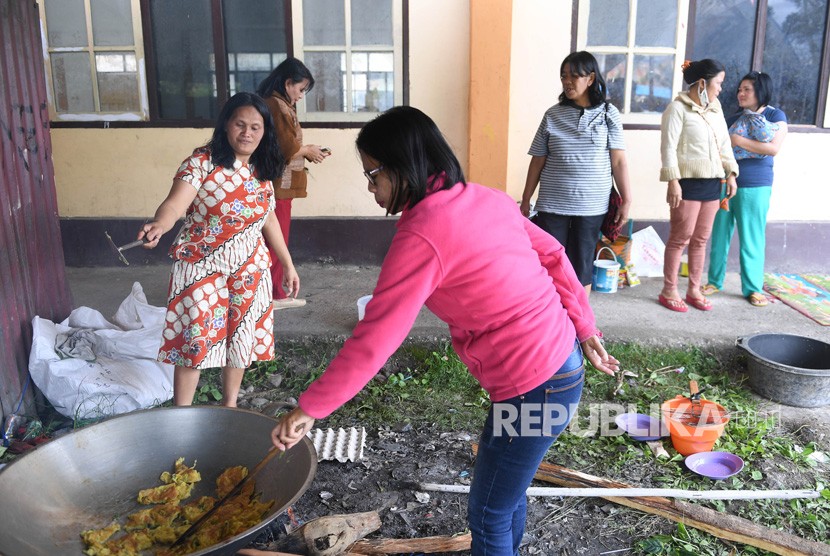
490, 47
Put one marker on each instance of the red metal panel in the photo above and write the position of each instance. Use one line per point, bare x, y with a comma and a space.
32, 274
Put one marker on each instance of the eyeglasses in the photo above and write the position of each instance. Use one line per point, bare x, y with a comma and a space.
370, 174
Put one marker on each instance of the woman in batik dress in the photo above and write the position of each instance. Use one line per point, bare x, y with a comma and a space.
219, 310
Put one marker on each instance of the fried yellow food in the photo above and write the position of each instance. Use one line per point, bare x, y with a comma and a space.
192, 511
150, 518
165, 494
157, 527
100, 536
131, 544
181, 474
229, 478
235, 516
177, 485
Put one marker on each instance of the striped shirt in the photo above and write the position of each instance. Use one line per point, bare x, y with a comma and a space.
576, 178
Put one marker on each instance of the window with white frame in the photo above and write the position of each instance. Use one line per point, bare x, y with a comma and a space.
93, 53
641, 44
200, 52
354, 50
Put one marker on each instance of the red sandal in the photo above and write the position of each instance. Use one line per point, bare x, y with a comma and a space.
701, 304
676, 305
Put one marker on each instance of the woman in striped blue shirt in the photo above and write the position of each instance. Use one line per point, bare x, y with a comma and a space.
576, 152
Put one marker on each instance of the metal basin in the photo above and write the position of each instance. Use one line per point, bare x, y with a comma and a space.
789, 369
87, 478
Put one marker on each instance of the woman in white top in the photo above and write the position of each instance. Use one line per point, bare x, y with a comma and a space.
697, 158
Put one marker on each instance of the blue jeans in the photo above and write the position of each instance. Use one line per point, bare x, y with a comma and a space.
516, 436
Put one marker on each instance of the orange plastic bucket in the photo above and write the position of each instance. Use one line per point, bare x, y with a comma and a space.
694, 426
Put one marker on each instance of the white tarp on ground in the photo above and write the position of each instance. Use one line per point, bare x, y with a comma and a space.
89, 367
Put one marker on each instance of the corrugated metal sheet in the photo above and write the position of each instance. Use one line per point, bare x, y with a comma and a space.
32, 276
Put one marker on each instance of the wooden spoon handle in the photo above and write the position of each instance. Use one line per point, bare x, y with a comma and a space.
693, 389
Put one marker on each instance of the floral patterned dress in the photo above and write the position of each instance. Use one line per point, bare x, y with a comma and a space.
219, 303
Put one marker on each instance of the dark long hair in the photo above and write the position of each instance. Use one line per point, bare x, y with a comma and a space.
582, 63
413, 153
290, 68
267, 159
704, 69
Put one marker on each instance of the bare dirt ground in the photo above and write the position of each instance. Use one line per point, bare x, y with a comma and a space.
384, 480
399, 456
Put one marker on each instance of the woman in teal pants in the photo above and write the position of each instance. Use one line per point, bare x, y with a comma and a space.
748, 208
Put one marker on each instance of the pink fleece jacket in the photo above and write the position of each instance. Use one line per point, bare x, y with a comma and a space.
505, 288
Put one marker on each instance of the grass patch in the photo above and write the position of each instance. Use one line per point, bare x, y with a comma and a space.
428, 385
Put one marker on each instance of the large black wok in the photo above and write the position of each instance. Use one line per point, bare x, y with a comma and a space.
87, 478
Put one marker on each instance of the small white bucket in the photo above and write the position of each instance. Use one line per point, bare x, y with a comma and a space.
361, 306
605, 275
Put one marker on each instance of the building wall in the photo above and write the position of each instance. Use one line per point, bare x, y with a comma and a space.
118, 172
114, 178
800, 192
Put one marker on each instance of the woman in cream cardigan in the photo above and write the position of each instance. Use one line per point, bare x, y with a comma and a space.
696, 160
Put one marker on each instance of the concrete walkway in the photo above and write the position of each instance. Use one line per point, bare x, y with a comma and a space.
631, 314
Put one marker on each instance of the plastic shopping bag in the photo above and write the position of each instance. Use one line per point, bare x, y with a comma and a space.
647, 251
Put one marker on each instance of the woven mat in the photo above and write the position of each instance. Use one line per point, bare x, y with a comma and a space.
809, 294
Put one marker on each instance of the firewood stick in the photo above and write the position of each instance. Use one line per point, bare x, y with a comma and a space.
256, 552
427, 545
722, 525
647, 492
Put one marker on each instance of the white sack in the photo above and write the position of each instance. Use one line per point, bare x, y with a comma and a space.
124, 375
647, 251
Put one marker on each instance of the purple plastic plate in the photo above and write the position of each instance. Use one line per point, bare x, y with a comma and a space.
715, 465
640, 426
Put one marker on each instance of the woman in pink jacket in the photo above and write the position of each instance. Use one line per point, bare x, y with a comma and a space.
518, 316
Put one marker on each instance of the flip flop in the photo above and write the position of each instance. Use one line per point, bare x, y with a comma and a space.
701, 304
709, 289
757, 299
676, 305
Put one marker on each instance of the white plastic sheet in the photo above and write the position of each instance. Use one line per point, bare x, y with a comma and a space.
104, 368
647, 250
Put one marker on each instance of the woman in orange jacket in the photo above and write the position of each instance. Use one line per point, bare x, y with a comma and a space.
286, 85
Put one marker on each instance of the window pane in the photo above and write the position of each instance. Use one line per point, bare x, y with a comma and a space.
608, 23
328, 94
256, 40
112, 23
184, 59
360, 61
612, 67
372, 22
792, 56
66, 22
73, 84
726, 39
377, 95
374, 90
117, 82
652, 83
656, 23
324, 23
